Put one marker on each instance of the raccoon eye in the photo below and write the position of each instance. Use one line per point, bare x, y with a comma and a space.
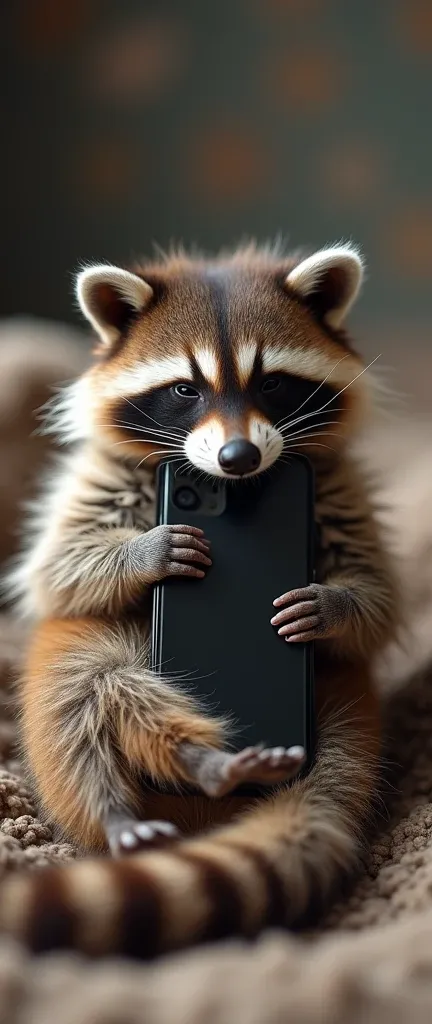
185, 391
271, 384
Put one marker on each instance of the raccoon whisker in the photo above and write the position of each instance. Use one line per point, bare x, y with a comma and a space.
285, 426
146, 414
151, 440
186, 464
306, 416
151, 454
316, 389
333, 399
307, 437
152, 435
301, 435
311, 426
209, 476
183, 465
145, 435
167, 432
162, 430
316, 444
365, 368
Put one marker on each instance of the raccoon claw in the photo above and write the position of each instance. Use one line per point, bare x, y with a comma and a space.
132, 836
317, 612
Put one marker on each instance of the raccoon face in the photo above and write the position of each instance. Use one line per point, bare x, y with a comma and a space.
224, 364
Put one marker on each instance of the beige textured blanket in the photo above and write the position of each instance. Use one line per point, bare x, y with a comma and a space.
372, 960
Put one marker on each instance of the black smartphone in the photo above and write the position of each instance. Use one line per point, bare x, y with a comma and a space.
216, 632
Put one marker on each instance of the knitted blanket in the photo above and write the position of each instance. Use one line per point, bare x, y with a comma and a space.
371, 960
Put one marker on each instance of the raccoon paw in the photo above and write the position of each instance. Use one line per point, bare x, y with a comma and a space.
224, 772
171, 551
130, 836
255, 764
317, 612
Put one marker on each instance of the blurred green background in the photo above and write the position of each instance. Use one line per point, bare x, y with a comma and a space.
127, 123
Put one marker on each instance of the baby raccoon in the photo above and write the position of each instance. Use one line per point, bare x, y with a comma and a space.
224, 364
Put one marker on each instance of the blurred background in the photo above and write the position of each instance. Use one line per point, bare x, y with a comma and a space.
130, 122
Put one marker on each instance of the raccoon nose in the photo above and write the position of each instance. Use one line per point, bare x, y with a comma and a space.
239, 457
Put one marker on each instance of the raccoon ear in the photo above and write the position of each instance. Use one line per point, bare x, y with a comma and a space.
330, 281
109, 298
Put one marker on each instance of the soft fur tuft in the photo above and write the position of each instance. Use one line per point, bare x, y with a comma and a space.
330, 279
108, 297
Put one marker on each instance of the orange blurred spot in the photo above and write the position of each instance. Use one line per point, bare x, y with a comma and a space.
106, 170
414, 25
50, 25
408, 242
352, 172
228, 165
137, 61
309, 81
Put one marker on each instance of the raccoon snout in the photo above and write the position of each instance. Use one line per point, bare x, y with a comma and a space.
239, 457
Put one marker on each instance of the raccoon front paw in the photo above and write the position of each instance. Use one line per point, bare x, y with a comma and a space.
173, 551
317, 612
130, 836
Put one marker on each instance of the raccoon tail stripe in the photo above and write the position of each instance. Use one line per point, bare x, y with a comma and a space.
278, 865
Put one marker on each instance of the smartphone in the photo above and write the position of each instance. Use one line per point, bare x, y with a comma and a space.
215, 632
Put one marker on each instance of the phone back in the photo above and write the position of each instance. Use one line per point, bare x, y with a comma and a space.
216, 631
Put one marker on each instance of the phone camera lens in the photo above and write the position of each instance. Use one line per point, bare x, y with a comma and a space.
187, 499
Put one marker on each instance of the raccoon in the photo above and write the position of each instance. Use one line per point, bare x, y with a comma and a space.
224, 364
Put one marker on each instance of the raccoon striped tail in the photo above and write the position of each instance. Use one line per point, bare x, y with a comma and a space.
278, 865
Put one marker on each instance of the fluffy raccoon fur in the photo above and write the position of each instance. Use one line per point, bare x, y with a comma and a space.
186, 350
